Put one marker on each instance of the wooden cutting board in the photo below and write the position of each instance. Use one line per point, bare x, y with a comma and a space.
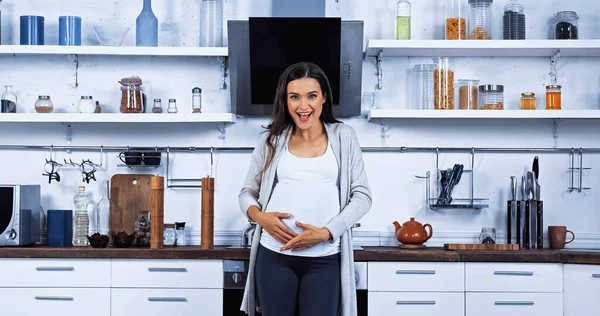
129, 193
481, 247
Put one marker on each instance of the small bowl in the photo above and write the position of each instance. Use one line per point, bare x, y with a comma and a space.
110, 35
98, 241
122, 239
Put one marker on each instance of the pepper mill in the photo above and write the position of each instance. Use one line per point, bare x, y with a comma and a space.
157, 212
207, 213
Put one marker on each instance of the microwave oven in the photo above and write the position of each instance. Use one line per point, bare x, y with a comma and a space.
20, 215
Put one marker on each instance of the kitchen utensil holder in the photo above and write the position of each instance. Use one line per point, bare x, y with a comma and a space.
464, 203
525, 223
579, 169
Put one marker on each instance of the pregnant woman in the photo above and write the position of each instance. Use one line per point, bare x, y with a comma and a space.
305, 188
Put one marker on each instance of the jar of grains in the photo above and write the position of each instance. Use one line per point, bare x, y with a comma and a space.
456, 23
443, 83
468, 94
131, 95
491, 97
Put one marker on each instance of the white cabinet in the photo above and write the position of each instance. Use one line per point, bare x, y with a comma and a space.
90, 273
160, 302
422, 304
582, 289
504, 304
167, 273
55, 301
514, 277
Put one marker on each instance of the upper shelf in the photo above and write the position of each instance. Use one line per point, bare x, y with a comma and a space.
483, 114
112, 50
484, 48
116, 118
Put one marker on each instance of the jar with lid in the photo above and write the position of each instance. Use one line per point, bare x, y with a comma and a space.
491, 97
403, 31
180, 230
169, 235
44, 104
172, 106
142, 229
8, 101
487, 235
528, 101
480, 19
443, 83
513, 21
423, 87
468, 94
553, 97
86, 104
211, 23
196, 100
157, 108
131, 95
456, 22
565, 25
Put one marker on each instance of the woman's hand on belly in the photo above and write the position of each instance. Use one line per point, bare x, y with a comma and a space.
309, 237
270, 221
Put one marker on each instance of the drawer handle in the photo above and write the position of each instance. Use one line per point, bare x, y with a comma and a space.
167, 270
415, 271
53, 298
54, 268
527, 273
595, 275
514, 303
167, 299
415, 302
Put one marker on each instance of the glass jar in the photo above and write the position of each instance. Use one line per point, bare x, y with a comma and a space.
468, 94
480, 19
180, 230
423, 87
9, 101
44, 104
553, 97
403, 8
142, 229
131, 95
528, 101
456, 23
491, 97
196, 100
487, 235
443, 83
565, 25
169, 235
157, 108
211, 23
513, 21
86, 104
172, 106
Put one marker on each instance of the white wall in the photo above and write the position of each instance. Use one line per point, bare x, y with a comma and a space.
398, 195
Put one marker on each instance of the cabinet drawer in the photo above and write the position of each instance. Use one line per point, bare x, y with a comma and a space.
54, 273
582, 289
55, 301
416, 276
167, 273
160, 302
423, 304
514, 277
502, 304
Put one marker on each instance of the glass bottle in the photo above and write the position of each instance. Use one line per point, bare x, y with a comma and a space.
44, 104
553, 97
169, 32
491, 97
146, 26
468, 94
9, 101
211, 23
172, 106
528, 101
196, 100
487, 235
423, 87
103, 210
157, 108
86, 104
403, 20
169, 235
565, 26
142, 229
81, 221
180, 230
456, 23
480, 19
513, 21
443, 83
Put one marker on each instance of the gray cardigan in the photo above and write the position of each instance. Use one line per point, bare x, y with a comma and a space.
355, 202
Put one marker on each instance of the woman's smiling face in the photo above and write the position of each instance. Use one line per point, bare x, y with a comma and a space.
305, 101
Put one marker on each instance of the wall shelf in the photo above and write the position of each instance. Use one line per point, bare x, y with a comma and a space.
483, 48
116, 118
113, 50
483, 114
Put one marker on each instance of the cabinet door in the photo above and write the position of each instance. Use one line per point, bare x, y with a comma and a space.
416, 277
506, 304
161, 302
54, 301
422, 304
582, 289
514, 277
59, 272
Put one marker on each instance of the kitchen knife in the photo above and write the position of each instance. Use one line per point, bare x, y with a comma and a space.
513, 188
536, 172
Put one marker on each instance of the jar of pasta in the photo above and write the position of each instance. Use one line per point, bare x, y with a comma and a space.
553, 97
456, 22
468, 94
528, 101
491, 97
443, 83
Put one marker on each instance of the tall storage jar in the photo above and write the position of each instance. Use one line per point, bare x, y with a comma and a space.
565, 25
513, 21
443, 83
480, 19
211, 23
491, 97
131, 95
456, 22
468, 94
423, 87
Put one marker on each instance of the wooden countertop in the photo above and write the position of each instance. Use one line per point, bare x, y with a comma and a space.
434, 254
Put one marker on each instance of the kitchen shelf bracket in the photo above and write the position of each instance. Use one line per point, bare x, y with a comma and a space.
223, 131
224, 64
553, 61
69, 135
555, 123
384, 134
75, 59
579, 169
379, 61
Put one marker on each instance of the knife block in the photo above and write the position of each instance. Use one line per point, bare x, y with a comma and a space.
525, 223
207, 214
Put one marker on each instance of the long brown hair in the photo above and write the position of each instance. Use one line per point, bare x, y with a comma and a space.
281, 119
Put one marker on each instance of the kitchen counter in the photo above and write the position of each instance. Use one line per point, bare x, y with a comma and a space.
434, 254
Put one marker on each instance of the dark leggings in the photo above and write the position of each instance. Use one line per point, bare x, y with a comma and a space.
293, 285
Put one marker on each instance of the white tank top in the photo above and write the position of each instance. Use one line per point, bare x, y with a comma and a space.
307, 189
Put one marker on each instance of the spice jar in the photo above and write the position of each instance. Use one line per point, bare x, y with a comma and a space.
487, 235
44, 104
131, 95
480, 19
491, 97
468, 94
169, 235
456, 24
513, 21
565, 25
180, 230
86, 104
172, 106
196, 100
528, 101
423, 87
553, 97
157, 108
443, 83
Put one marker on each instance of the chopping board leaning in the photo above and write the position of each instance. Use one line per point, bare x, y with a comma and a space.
129, 194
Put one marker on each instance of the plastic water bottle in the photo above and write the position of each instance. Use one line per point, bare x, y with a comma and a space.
81, 220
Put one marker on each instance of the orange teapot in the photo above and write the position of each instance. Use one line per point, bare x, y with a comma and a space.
412, 232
